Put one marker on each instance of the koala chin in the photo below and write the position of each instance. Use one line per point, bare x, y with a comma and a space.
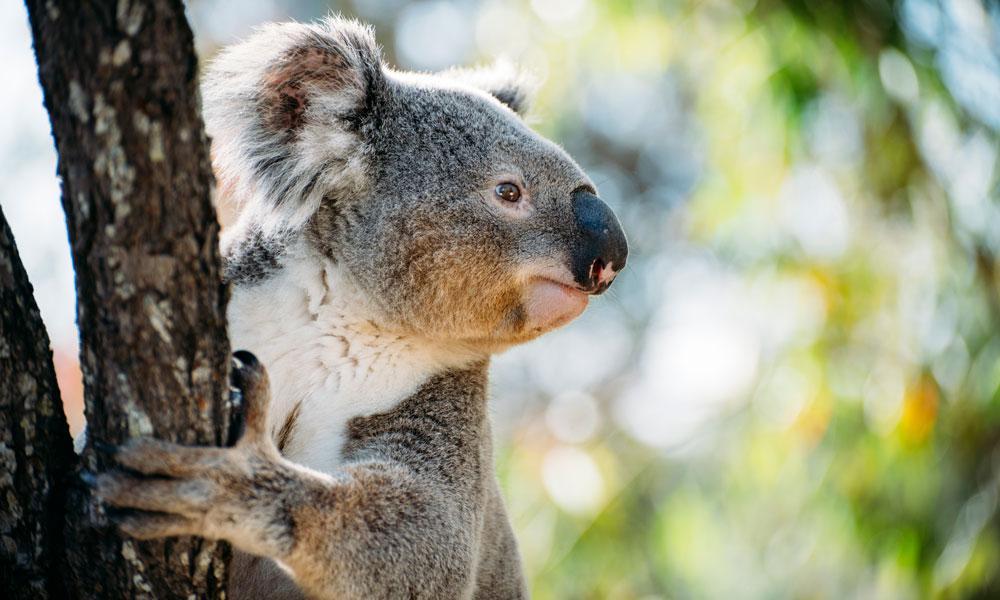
393, 231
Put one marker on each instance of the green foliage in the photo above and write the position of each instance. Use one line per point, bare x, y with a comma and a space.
861, 460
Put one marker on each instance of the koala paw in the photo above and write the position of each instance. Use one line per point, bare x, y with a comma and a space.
166, 489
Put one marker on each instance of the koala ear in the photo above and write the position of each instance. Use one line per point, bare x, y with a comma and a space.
286, 109
329, 68
503, 80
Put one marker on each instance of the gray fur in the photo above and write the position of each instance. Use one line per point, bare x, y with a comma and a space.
388, 176
252, 258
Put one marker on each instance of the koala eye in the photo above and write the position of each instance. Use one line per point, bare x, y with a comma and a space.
508, 192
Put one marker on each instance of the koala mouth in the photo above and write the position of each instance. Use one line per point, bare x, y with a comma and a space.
549, 303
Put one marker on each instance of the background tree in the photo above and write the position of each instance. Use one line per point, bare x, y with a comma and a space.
120, 81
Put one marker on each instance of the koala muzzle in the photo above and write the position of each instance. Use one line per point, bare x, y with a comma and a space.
600, 248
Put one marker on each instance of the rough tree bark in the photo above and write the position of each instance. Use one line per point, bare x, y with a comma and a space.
120, 87
35, 449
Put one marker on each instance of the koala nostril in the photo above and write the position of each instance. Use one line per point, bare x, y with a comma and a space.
596, 269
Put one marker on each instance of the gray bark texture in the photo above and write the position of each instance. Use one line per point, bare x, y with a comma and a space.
35, 449
120, 84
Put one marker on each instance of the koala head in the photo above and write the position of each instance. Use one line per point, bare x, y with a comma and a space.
456, 220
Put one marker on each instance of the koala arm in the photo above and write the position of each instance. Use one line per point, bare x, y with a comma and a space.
379, 529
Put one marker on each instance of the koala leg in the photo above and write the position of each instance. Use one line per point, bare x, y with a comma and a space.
375, 531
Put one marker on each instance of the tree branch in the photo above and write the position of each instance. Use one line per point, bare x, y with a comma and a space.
35, 449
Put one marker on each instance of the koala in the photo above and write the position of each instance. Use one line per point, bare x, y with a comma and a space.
394, 231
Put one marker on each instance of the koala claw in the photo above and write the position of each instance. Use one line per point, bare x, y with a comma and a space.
250, 379
104, 447
88, 479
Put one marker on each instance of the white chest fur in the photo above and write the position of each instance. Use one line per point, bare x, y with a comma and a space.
309, 325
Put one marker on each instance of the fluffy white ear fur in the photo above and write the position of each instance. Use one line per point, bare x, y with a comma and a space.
503, 80
281, 108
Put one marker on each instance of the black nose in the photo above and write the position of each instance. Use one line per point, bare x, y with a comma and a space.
600, 249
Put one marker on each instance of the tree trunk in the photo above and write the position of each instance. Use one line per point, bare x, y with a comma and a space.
121, 92
35, 449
